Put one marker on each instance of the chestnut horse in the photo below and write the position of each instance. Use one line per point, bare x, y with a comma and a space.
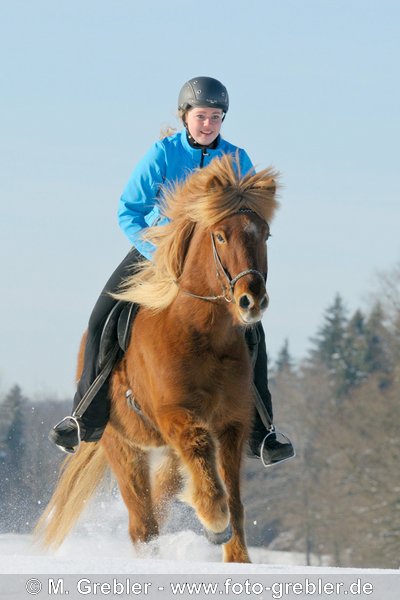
185, 380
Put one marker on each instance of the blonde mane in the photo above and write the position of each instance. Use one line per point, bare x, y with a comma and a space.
206, 197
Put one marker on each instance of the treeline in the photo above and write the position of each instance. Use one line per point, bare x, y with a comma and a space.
28, 464
341, 406
338, 498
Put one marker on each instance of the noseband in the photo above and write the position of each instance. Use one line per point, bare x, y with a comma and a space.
220, 270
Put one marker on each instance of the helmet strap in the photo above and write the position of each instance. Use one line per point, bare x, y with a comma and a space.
194, 144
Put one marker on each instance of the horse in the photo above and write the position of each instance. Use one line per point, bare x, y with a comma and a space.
184, 383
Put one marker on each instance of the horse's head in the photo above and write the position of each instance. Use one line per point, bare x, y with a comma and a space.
240, 255
235, 213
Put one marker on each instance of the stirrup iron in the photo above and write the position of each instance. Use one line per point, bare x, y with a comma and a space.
70, 449
280, 438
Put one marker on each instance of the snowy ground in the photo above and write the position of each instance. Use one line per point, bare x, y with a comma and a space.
100, 546
183, 559
183, 552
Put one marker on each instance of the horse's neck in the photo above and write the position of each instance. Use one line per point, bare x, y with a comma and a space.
204, 315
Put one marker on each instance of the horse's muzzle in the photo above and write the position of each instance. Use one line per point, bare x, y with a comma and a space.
251, 308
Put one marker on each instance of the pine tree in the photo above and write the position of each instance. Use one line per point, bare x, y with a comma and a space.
379, 355
284, 360
12, 418
355, 369
12, 424
330, 345
330, 337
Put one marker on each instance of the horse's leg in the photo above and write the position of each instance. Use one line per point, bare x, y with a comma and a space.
196, 447
230, 456
167, 483
131, 468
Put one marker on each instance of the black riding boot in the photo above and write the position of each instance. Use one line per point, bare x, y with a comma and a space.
265, 441
72, 430
87, 425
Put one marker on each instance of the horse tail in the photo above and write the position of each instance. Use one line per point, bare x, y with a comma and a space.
80, 476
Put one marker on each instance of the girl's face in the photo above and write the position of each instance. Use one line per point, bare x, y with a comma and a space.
204, 124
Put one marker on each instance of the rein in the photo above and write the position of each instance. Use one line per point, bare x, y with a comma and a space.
231, 282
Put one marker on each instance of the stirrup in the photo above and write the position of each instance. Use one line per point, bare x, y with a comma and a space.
283, 440
70, 449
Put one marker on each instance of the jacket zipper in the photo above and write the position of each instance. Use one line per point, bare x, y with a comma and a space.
203, 154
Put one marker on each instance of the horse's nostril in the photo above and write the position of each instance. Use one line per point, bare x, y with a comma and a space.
244, 301
264, 303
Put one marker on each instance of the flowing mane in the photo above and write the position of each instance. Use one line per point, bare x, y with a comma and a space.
206, 197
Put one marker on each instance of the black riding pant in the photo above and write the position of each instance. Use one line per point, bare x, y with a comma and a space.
97, 414
260, 378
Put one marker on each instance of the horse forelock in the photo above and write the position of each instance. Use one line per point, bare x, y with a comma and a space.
219, 191
208, 196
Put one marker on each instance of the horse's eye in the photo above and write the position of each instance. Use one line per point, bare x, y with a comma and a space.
220, 238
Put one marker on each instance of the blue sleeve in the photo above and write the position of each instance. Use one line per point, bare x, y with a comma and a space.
140, 195
245, 163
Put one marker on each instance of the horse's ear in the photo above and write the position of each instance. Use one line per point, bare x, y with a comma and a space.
221, 172
214, 185
272, 186
268, 180
213, 180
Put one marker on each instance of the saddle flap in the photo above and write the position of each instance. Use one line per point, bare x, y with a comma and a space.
124, 325
116, 329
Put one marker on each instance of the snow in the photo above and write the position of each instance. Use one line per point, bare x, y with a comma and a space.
181, 552
100, 544
94, 556
100, 553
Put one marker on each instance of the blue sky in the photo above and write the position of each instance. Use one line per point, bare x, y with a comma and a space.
86, 88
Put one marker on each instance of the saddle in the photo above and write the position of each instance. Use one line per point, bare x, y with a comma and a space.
116, 330
113, 342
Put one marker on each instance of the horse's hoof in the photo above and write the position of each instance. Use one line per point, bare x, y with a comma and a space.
219, 538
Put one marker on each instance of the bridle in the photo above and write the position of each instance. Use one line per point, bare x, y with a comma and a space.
222, 274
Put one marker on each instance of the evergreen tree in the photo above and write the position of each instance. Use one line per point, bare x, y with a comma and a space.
330, 346
284, 360
28, 463
12, 425
330, 338
379, 346
355, 369
12, 418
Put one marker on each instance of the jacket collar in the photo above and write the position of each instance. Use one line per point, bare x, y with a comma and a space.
195, 152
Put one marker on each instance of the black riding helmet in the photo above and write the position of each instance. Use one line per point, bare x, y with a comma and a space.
203, 91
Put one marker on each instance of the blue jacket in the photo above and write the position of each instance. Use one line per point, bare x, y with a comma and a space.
168, 161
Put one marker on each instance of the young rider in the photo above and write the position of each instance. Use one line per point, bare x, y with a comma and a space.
203, 103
